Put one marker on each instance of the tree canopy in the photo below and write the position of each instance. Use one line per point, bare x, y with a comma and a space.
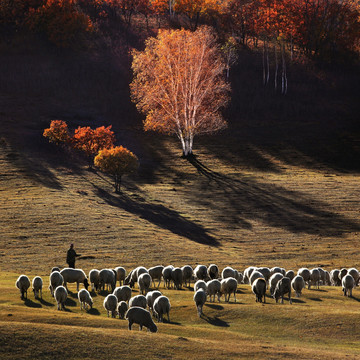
179, 84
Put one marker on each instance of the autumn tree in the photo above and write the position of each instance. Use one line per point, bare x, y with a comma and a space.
179, 84
58, 132
91, 141
116, 161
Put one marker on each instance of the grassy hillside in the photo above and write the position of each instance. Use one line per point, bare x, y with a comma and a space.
279, 187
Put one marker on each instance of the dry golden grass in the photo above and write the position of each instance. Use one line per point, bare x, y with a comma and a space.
280, 187
321, 324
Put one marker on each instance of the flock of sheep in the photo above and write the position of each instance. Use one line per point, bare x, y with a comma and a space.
208, 283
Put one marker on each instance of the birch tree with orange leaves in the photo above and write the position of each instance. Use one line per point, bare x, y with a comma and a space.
179, 84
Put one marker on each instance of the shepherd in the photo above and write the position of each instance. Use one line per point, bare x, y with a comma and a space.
70, 256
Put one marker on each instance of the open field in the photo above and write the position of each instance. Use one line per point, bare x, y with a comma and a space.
279, 187
321, 324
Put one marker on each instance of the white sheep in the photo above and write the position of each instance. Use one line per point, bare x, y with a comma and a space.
228, 287
123, 293
200, 300
107, 277
265, 271
85, 299
166, 273
200, 284
290, 274
132, 278
347, 283
156, 274
247, 273
239, 277
60, 295
187, 272
213, 288
274, 280
144, 282
71, 275
343, 272
277, 269
55, 279
228, 272
355, 274
138, 300
133, 275
94, 278
322, 275
334, 277
213, 271
314, 278
120, 274
23, 283
122, 309
161, 307
151, 297
176, 277
298, 283
305, 274
259, 289
37, 285
110, 305
282, 287
200, 272
255, 275
327, 278
140, 316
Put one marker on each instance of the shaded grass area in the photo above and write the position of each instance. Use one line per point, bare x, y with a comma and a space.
303, 330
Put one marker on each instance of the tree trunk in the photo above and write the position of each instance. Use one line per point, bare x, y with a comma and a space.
117, 183
276, 67
187, 146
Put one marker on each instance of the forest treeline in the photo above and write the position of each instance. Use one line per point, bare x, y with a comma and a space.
321, 29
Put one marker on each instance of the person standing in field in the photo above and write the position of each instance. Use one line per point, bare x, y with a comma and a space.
70, 256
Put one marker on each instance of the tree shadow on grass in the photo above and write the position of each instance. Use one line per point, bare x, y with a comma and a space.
159, 215
32, 304
272, 204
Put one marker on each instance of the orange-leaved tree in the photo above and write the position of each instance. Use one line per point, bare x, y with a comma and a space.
179, 83
91, 141
117, 162
58, 132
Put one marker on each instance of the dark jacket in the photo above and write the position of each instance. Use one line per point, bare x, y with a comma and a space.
71, 255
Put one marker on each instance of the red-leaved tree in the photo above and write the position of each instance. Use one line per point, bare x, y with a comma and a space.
91, 141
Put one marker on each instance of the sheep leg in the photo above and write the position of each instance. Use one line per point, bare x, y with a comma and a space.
130, 324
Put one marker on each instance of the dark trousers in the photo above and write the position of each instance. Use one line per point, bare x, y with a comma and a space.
71, 264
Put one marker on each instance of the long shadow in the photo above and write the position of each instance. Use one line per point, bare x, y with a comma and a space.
355, 298
46, 303
70, 302
214, 306
93, 311
297, 301
315, 299
247, 198
32, 304
160, 216
215, 321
